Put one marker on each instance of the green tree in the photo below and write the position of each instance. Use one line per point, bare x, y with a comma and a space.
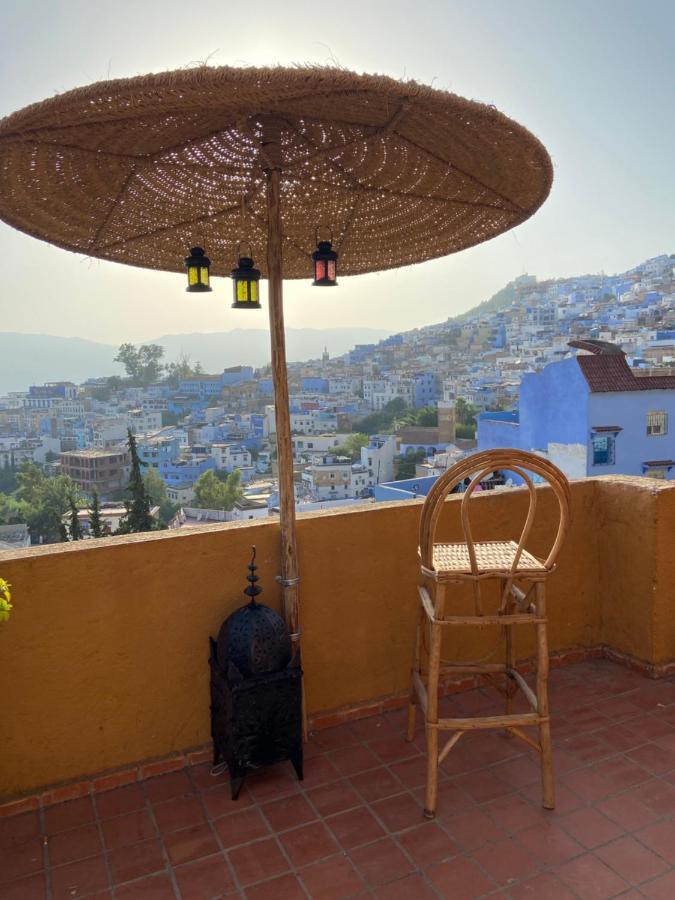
29, 483
405, 465
352, 446
137, 517
212, 493
381, 422
465, 432
45, 501
75, 526
426, 417
170, 418
182, 368
465, 412
155, 488
142, 364
8, 476
13, 511
95, 526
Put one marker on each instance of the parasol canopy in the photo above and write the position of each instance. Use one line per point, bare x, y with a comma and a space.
138, 170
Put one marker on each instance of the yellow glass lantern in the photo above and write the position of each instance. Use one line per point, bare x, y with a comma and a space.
245, 283
197, 265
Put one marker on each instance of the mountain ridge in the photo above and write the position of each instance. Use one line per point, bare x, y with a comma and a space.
36, 358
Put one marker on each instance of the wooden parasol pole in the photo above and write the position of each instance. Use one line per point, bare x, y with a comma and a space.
289, 578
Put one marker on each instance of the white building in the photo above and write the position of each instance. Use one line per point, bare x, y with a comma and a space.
180, 494
378, 458
306, 421
345, 386
315, 443
144, 420
230, 456
109, 432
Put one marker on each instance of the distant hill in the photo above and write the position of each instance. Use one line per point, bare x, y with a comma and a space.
500, 300
249, 345
27, 359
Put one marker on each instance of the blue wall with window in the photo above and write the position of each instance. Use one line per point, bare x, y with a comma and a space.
633, 445
622, 431
553, 406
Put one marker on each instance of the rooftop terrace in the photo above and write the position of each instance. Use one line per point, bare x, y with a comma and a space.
104, 726
354, 827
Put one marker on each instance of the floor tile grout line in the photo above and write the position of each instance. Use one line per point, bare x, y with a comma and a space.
165, 854
45, 854
219, 843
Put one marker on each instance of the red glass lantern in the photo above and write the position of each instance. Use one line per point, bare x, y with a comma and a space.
325, 265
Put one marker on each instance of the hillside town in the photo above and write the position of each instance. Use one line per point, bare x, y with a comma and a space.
579, 369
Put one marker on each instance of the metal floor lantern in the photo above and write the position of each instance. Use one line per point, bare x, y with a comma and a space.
140, 170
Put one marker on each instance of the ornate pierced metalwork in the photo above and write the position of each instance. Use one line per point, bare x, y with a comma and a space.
256, 691
255, 637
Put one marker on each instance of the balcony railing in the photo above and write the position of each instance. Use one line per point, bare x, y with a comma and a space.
104, 661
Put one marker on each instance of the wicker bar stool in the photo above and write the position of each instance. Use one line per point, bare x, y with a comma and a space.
521, 577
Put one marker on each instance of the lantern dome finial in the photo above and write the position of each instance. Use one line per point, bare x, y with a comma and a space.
252, 590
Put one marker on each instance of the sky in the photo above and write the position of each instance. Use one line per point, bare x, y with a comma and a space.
594, 80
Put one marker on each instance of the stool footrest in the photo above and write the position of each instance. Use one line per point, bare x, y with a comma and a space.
482, 722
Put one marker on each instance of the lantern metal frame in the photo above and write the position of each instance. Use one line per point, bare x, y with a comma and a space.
197, 262
245, 274
322, 258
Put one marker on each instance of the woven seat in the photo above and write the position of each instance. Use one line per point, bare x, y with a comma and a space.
492, 557
521, 578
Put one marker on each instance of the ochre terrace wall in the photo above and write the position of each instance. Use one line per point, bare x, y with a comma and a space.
104, 661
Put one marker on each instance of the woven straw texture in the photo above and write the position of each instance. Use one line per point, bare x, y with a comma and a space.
139, 170
491, 556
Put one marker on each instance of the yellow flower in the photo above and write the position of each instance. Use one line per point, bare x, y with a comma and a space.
5, 598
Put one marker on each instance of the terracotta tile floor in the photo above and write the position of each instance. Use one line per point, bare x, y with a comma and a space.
354, 827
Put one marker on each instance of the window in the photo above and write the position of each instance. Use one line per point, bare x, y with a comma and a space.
603, 449
657, 423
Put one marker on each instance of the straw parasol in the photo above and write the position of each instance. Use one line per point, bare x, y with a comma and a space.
137, 170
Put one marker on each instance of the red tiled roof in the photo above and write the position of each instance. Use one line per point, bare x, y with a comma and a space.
611, 372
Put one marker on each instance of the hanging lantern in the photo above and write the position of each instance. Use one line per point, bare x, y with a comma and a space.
325, 264
245, 280
197, 265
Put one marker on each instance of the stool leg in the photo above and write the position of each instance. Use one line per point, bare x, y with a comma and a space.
510, 660
412, 701
547, 783
432, 705
431, 795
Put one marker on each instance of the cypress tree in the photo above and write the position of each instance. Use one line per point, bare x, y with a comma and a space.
137, 516
95, 516
75, 527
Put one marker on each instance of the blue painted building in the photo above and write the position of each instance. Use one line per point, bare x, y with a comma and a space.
236, 375
187, 471
406, 489
205, 386
159, 453
315, 385
425, 389
592, 415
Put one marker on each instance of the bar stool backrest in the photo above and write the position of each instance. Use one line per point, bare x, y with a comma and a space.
476, 468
